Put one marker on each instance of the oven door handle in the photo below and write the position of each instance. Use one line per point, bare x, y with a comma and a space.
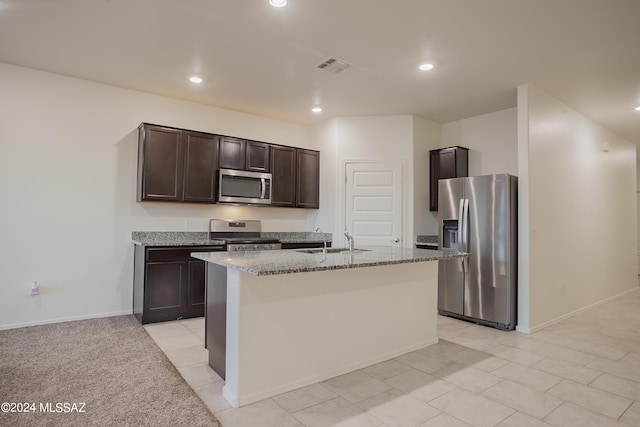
264, 187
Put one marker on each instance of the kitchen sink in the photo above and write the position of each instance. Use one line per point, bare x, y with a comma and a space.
333, 251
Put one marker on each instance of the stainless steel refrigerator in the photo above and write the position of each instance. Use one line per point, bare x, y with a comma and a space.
478, 215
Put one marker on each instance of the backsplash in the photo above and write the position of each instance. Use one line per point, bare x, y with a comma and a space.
297, 236
427, 238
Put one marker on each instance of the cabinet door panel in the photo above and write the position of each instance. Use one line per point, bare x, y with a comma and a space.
231, 153
162, 158
447, 166
308, 182
165, 287
201, 167
283, 166
434, 172
257, 158
196, 285
445, 163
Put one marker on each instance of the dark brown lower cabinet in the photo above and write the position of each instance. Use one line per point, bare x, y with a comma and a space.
215, 328
305, 245
168, 283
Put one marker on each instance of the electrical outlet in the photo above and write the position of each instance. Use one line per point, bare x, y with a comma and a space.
34, 288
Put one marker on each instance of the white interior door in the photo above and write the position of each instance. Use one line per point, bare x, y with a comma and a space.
373, 203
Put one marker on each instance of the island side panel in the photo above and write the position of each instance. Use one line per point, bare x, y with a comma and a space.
216, 317
291, 330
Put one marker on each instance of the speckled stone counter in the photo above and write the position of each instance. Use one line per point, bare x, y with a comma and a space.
201, 238
297, 237
173, 238
263, 263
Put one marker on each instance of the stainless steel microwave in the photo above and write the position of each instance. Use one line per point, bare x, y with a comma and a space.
235, 186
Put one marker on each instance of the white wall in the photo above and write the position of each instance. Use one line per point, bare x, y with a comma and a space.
492, 140
581, 211
638, 203
493, 148
406, 139
68, 152
426, 136
324, 137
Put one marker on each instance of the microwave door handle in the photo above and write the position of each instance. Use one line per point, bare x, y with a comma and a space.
264, 187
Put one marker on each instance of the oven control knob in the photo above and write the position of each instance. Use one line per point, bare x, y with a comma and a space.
256, 247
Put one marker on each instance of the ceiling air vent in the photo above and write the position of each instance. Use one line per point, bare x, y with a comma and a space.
333, 65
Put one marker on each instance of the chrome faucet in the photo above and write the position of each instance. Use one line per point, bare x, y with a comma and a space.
349, 240
324, 249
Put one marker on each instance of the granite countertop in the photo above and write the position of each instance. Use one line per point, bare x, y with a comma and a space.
201, 238
174, 238
264, 263
298, 237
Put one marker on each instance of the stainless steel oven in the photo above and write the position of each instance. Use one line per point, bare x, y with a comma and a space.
235, 186
241, 235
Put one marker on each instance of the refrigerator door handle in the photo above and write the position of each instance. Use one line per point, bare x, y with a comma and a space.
461, 233
465, 238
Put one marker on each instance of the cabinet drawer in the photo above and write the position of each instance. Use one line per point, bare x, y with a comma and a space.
178, 254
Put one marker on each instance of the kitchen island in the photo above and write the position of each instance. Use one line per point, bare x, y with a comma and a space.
280, 320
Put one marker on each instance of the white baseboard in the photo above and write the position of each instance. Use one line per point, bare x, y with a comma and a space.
573, 313
64, 319
237, 401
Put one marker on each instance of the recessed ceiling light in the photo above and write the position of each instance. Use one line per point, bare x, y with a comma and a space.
638, 108
317, 109
278, 3
426, 67
195, 79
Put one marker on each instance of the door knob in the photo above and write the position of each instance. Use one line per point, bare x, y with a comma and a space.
396, 240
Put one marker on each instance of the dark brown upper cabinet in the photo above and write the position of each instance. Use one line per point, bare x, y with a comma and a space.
308, 179
200, 171
295, 177
257, 157
176, 165
451, 162
283, 171
231, 153
242, 154
181, 165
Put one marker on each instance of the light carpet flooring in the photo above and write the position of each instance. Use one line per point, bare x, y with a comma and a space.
583, 371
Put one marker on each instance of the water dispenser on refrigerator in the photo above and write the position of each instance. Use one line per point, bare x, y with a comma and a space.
450, 234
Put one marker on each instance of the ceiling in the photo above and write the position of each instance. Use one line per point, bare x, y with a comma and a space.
262, 60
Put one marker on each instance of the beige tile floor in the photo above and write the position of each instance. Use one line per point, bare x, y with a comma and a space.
583, 371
